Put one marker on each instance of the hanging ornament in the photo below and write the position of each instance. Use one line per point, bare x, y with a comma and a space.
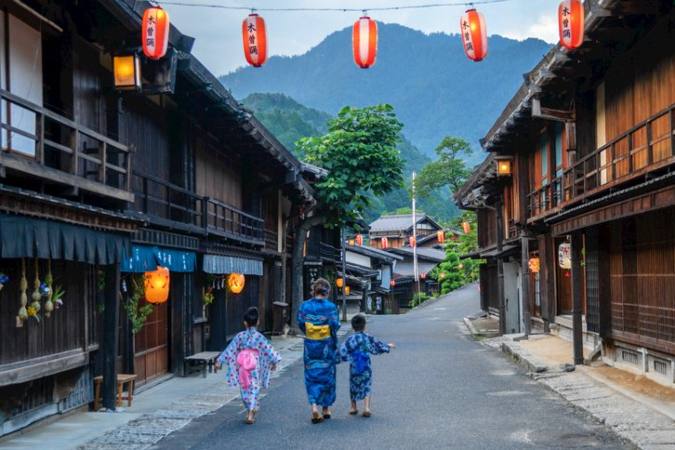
385, 243
157, 285
466, 227
34, 308
254, 39
571, 23
413, 241
440, 235
359, 240
474, 35
364, 42
236, 282
155, 32
23, 297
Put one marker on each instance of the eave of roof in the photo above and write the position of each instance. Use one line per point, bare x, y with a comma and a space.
373, 252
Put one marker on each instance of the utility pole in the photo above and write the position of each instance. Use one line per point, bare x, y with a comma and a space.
414, 236
344, 273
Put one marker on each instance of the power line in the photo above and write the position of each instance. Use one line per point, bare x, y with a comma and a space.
378, 8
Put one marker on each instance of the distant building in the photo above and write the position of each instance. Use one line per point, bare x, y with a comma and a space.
396, 230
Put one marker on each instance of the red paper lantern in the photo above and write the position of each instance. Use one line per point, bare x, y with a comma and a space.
385, 243
571, 23
364, 42
413, 241
359, 240
236, 282
155, 32
255, 40
440, 235
157, 285
466, 226
392, 283
474, 35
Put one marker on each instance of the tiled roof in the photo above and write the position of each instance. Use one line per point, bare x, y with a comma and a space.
398, 222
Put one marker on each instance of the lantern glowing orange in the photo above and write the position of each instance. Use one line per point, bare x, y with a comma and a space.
474, 35
236, 282
413, 241
571, 23
348, 290
359, 240
385, 243
533, 264
157, 285
339, 282
466, 226
440, 235
254, 38
364, 42
155, 32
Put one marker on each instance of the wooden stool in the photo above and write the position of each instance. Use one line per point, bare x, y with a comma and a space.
122, 379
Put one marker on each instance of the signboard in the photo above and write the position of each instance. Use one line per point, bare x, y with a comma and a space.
565, 256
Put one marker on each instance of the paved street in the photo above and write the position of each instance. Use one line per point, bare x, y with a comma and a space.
438, 389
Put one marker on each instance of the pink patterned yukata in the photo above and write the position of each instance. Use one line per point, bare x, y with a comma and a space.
250, 339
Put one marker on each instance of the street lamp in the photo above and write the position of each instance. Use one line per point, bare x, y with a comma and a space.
127, 72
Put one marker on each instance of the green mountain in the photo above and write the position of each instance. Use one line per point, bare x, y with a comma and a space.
434, 88
288, 120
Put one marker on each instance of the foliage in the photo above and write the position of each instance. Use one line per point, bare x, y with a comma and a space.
418, 299
136, 311
448, 170
359, 151
436, 90
454, 272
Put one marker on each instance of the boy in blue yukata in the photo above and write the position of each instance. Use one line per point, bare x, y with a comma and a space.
357, 349
249, 359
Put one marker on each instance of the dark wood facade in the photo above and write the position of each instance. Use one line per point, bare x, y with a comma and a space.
594, 151
93, 175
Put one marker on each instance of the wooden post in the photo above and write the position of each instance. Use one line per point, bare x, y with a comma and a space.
110, 335
500, 266
577, 332
525, 282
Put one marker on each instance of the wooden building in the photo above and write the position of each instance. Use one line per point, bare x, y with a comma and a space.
394, 231
101, 185
591, 140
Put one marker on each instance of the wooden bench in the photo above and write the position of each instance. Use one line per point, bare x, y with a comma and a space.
202, 360
122, 378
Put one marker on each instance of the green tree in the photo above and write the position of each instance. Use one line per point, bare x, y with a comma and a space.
448, 170
455, 272
360, 155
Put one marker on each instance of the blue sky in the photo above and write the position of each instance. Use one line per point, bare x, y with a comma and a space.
218, 32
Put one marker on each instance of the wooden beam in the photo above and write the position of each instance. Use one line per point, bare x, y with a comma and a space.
577, 292
110, 335
32, 369
557, 115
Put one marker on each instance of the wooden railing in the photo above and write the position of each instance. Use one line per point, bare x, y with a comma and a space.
646, 147
180, 207
62, 150
271, 240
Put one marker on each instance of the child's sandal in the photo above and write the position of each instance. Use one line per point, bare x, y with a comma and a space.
353, 412
316, 417
366, 414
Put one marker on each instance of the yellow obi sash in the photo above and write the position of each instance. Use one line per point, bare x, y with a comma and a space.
316, 332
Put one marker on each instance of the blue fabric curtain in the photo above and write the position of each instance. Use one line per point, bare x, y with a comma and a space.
144, 259
218, 264
26, 237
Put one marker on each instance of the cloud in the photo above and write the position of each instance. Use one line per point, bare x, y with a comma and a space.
545, 28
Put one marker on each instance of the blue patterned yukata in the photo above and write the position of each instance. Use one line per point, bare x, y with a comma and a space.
318, 319
357, 350
260, 376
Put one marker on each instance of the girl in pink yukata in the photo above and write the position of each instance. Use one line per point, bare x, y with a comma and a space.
249, 359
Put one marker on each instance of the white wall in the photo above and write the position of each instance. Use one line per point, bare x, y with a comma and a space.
25, 79
358, 259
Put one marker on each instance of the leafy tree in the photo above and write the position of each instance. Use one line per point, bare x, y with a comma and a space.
360, 155
448, 170
455, 272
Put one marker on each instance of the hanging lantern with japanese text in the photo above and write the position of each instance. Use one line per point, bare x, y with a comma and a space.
155, 32
565, 256
571, 23
364, 42
474, 35
156, 285
236, 282
254, 39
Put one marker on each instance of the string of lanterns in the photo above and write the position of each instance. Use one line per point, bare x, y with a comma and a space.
473, 30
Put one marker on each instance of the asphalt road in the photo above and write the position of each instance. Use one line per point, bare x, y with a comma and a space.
438, 389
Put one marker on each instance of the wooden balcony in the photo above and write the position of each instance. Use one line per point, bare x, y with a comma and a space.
271, 240
647, 147
175, 207
61, 151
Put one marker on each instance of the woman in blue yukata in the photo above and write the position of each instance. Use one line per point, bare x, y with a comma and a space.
357, 350
249, 359
318, 319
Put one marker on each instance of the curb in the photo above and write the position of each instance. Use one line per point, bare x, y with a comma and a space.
521, 360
